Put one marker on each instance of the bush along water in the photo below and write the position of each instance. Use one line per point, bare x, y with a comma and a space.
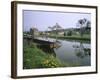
36, 58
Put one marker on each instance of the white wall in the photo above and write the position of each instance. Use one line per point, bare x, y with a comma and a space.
5, 41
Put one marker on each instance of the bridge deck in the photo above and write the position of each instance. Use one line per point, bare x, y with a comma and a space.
44, 41
40, 39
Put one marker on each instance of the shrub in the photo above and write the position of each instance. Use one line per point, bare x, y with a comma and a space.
69, 33
36, 58
51, 62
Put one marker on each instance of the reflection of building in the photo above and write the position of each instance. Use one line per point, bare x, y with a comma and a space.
34, 32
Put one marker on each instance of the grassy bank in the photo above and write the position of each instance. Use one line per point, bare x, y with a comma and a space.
73, 37
36, 58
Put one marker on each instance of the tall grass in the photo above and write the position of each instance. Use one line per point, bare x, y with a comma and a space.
36, 58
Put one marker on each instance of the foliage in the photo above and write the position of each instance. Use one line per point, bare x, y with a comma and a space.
84, 25
69, 33
36, 58
64, 33
86, 37
50, 61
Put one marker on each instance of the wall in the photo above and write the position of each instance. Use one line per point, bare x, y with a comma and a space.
5, 40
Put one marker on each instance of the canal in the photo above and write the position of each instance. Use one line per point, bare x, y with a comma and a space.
74, 52
77, 53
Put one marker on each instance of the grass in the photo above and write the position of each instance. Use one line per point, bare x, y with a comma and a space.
74, 37
36, 58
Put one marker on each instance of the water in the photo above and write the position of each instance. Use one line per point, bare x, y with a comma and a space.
74, 52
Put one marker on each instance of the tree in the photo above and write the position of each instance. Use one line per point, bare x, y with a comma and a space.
64, 33
83, 24
88, 24
69, 33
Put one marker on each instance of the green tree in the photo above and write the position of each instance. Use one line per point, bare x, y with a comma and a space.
84, 24
69, 33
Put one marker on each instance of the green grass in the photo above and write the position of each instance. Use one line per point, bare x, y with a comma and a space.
74, 37
36, 58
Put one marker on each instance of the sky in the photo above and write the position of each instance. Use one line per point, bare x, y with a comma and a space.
43, 19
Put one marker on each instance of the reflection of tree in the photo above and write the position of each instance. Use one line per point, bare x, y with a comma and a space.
81, 51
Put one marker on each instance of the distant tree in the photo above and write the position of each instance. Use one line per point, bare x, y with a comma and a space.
69, 33
64, 33
27, 32
83, 24
88, 25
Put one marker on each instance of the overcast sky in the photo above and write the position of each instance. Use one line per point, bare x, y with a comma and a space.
42, 19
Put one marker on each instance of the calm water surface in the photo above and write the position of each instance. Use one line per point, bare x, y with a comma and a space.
73, 52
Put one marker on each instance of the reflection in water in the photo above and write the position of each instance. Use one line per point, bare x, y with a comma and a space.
81, 51
74, 52
47, 49
57, 45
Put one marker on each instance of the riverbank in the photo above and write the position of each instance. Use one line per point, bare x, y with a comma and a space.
72, 37
35, 58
